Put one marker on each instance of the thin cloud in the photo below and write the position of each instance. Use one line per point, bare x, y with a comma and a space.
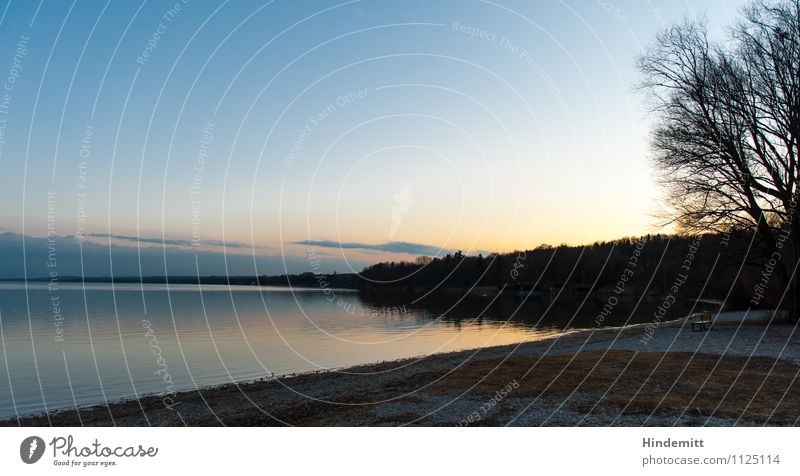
174, 242
90, 258
403, 247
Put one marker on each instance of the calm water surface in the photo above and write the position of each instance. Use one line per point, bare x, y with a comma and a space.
84, 344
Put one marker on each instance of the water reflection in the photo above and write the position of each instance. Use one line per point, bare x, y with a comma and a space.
105, 343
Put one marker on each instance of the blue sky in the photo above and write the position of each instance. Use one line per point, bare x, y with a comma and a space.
281, 125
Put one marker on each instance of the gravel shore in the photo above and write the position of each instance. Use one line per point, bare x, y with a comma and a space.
738, 373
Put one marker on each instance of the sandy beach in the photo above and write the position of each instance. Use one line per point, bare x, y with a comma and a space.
738, 373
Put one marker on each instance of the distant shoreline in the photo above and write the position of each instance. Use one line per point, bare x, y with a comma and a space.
446, 389
273, 281
277, 280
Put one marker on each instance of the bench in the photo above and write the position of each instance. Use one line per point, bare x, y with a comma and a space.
702, 322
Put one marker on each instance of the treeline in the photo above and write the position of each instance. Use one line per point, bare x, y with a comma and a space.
308, 280
712, 266
730, 267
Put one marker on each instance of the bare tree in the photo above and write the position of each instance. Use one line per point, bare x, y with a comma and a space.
727, 141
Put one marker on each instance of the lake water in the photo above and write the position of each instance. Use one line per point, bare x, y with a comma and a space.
83, 344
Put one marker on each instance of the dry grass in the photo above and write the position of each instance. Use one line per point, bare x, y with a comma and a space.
761, 390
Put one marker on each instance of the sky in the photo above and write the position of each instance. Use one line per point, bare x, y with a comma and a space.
323, 135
